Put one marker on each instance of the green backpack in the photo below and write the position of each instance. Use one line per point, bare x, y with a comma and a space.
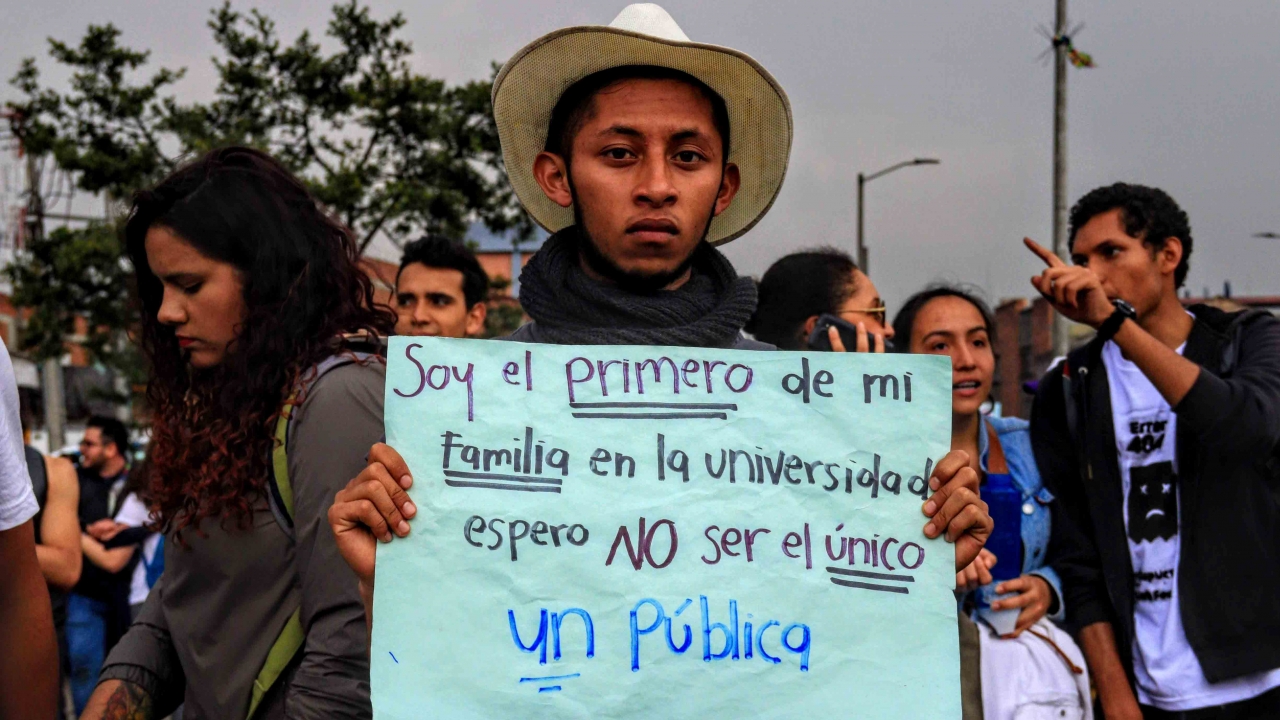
280, 498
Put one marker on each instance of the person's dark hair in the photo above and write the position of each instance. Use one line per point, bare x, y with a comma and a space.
212, 429
576, 104
797, 287
113, 431
904, 322
438, 251
1147, 213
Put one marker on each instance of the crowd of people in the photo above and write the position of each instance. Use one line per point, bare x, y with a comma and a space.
231, 573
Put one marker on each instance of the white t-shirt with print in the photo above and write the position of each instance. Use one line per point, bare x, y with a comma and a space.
17, 501
134, 513
1168, 673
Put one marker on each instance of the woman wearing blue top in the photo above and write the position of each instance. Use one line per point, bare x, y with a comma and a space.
948, 321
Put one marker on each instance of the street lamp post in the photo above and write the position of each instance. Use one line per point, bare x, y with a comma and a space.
863, 179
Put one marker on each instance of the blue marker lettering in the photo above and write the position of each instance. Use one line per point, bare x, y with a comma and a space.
730, 633
538, 644
803, 648
556, 618
636, 632
688, 633
760, 643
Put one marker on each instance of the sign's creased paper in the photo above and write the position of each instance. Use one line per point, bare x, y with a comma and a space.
628, 532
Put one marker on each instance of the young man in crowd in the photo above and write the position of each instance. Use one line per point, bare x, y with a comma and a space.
1159, 439
94, 619
638, 169
29, 661
440, 289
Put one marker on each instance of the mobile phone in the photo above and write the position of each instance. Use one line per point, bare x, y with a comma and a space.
819, 339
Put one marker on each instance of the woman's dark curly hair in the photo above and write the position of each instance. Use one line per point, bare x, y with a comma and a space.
212, 429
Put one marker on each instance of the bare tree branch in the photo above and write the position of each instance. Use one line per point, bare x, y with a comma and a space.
382, 219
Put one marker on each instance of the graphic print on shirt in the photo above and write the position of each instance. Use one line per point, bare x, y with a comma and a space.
1166, 669
1147, 436
1153, 502
1152, 586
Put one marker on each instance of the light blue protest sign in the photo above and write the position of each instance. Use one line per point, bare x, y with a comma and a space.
662, 532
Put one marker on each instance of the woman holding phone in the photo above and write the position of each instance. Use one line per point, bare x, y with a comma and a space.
820, 300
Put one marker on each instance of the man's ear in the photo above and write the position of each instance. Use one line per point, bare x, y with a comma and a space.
1169, 255
730, 181
552, 174
475, 319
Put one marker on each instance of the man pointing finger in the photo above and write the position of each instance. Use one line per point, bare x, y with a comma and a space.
1160, 441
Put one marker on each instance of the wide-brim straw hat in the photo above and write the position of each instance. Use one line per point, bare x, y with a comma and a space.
531, 83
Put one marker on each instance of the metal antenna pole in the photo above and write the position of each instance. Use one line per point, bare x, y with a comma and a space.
1060, 326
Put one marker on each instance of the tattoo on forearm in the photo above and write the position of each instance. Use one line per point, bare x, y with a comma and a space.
128, 702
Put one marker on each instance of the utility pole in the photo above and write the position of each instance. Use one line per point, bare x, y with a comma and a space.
1060, 47
55, 407
864, 261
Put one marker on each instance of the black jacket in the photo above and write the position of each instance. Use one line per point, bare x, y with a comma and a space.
95, 505
1228, 432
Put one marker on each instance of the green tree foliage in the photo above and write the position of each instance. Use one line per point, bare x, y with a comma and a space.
388, 149
502, 319
391, 151
106, 128
74, 274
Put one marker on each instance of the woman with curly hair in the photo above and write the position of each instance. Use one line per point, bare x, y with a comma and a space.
247, 290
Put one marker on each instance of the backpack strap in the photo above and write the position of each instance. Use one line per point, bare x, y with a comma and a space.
155, 566
280, 487
1074, 396
286, 646
280, 498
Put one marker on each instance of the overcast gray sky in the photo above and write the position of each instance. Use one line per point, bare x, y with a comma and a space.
1186, 96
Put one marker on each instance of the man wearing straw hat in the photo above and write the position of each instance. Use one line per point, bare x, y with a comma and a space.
634, 145
640, 151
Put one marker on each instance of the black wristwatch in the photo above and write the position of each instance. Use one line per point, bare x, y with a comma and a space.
1111, 326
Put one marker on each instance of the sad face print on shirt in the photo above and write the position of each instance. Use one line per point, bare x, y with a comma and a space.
1153, 502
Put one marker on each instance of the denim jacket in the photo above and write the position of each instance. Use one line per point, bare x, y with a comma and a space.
1015, 440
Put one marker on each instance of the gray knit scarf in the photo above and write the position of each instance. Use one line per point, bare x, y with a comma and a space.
571, 308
